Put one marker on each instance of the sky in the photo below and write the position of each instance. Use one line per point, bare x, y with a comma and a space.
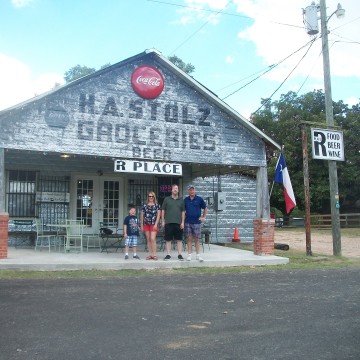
242, 50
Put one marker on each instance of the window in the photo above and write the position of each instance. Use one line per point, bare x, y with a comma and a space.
21, 193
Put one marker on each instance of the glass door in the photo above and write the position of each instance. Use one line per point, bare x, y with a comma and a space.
98, 199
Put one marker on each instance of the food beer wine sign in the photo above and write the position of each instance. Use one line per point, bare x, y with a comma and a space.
327, 144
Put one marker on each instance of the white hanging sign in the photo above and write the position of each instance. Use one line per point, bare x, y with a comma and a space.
147, 167
50, 196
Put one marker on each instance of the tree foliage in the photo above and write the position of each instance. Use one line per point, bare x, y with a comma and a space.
282, 119
77, 72
188, 68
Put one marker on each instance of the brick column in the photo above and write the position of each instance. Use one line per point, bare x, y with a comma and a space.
4, 235
264, 236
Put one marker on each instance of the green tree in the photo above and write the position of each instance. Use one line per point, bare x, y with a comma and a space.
188, 68
77, 72
105, 66
281, 120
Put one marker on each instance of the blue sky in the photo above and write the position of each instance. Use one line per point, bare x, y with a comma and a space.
230, 43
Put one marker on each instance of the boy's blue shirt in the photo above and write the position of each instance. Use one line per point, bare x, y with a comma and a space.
132, 223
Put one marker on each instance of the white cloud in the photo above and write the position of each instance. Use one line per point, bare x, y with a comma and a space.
17, 84
212, 4
229, 59
278, 31
21, 3
194, 11
353, 100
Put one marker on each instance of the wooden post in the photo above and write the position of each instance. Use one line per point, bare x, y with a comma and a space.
307, 188
2, 180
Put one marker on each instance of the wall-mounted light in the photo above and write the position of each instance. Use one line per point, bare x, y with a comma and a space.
64, 156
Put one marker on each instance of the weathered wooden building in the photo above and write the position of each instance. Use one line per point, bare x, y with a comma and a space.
89, 148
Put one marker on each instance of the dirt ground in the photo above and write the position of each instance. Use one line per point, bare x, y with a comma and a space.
321, 241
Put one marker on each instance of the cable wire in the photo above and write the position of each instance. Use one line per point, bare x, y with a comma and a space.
302, 58
187, 39
271, 68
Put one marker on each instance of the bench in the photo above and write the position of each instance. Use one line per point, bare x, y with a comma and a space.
24, 231
112, 241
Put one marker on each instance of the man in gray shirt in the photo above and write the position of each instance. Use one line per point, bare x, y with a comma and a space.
173, 218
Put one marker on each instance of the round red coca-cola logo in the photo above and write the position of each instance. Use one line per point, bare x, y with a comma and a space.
147, 82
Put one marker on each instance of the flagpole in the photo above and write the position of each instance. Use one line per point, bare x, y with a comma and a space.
272, 186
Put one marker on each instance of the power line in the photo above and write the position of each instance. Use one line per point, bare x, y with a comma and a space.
271, 68
246, 77
196, 8
214, 11
187, 39
307, 77
302, 58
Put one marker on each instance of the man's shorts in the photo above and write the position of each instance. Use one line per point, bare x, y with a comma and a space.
173, 232
193, 229
131, 241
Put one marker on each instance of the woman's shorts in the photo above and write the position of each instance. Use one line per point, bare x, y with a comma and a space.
150, 228
173, 232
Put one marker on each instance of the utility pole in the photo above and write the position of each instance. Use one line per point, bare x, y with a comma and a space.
333, 179
311, 23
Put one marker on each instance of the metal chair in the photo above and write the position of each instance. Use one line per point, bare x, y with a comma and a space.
43, 239
74, 235
92, 241
111, 239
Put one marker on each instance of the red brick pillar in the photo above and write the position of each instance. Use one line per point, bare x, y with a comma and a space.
4, 235
264, 236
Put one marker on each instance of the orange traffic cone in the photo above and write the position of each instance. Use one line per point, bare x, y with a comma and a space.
236, 235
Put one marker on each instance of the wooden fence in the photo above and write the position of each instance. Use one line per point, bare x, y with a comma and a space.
319, 221
324, 221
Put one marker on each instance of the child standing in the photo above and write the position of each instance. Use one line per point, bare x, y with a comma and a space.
131, 232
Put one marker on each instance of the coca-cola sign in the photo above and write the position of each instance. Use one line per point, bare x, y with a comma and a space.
147, 82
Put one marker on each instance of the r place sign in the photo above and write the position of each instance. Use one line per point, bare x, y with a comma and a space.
147, 167
327, 144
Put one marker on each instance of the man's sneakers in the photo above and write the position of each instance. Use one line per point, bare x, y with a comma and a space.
168, 257
198, 258
126, 257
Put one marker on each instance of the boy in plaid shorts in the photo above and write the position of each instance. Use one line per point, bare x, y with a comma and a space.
131, 232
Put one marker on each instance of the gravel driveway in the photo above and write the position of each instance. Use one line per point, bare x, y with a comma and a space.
321, 241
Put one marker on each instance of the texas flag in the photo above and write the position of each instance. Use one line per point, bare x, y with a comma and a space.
282, 177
